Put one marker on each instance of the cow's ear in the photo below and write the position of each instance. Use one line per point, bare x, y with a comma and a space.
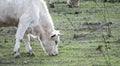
55, 34
58, 32
52, 36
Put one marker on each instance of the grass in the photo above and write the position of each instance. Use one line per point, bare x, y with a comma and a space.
82, 47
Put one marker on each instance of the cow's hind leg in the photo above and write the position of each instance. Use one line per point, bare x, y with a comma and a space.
22, 27
26, 40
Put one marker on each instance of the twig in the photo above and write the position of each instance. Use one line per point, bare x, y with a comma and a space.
107, 50
70, 22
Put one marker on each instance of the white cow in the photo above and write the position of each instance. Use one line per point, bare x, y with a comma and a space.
73, 3
70, 3
32, 15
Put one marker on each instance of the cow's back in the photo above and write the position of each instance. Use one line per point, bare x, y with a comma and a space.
11, 10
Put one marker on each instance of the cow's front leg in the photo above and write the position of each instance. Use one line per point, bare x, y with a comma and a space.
19, 37
27, 45
22, 27
16, 48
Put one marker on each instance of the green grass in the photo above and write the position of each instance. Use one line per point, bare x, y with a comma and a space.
77, 47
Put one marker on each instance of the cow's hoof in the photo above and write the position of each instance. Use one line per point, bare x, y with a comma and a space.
70, 6
53, 54
17, 55
31, 53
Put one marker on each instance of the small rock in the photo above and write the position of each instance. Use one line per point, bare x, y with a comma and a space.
25, 62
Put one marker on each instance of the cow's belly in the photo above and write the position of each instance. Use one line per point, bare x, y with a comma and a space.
8, 23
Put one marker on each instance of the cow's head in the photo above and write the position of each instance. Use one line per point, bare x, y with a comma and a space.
50, 43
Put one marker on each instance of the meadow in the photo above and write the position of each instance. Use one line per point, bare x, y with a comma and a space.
90, 36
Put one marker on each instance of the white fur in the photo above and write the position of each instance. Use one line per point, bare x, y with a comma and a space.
32, 14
